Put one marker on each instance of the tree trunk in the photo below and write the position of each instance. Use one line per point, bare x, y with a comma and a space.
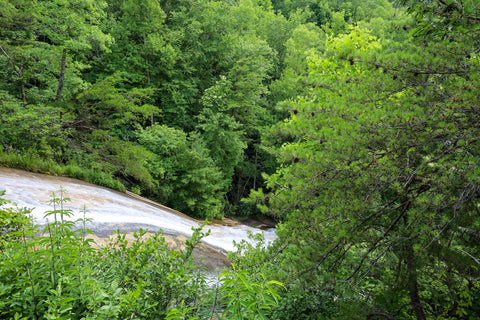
148, 69
147, 66
413, 282
61, 76
20, 73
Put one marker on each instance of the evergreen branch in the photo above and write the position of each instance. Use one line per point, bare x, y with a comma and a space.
468, 254
420, 71
17, 69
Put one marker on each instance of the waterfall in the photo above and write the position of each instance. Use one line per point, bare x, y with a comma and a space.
112, 210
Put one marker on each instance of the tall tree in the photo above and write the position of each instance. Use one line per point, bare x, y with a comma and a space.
378, 184
99, 122
140, 49
187, 178
224, 138
73, 27
17, 22
304, 39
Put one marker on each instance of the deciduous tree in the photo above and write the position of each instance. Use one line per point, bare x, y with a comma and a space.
187, 179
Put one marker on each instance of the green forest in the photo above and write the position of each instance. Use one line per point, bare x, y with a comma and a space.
351, 124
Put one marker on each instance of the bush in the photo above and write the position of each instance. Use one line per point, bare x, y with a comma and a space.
57, 274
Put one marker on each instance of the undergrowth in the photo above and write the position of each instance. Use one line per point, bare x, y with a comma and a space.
53, 271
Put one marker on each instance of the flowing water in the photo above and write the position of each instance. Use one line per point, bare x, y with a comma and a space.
112, 210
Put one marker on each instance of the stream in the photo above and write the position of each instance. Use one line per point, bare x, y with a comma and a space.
113, 210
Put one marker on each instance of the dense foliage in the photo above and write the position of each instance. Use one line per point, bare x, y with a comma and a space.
353, 123
84, 83
378, 191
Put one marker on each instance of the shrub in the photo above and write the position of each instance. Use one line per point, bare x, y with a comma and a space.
56, 274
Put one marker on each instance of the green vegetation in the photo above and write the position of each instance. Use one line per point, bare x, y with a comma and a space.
354, 124
58, 274
378, 185
83, 84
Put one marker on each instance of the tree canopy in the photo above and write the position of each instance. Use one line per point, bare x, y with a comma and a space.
378, 180
353, 124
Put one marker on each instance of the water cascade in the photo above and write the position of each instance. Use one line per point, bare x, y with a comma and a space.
112, 210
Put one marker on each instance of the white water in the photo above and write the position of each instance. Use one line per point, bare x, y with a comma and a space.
111, 210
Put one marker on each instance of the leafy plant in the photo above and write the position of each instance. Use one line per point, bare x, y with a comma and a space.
57, 273
12, 221
244, 299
